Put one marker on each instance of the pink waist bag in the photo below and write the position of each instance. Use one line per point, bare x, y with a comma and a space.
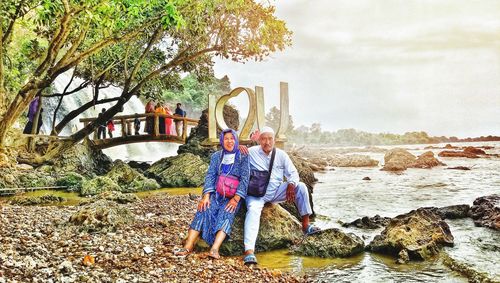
227, 185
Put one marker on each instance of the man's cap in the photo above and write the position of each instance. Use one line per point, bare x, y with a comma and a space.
267, 129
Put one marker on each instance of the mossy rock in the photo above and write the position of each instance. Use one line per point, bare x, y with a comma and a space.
183, 170
72, 181
129, 179
102, 215
98, 185
36, 180
330, 243
45, 199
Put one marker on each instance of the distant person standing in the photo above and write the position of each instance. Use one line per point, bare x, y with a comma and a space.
137, 125
181, 113
161, 120
101, 130
111, 128
168, 121
150, 108
31, 116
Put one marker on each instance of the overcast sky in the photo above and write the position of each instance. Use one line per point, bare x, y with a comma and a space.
386, 65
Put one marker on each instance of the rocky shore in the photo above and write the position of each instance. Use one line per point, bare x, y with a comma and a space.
40, 244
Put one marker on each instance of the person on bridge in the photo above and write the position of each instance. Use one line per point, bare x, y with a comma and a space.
101, 130
148, 126
137, 125
168, 121
111, 128
224, 190
181, 113
161, 120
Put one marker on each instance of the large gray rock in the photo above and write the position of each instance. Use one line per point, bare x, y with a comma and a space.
183, 170
129, 179
421, 233
486, 211
278, 230
330, 243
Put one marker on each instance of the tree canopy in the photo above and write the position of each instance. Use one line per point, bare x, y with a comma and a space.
139, 45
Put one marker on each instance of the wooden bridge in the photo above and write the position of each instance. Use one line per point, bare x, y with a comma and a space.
128, 135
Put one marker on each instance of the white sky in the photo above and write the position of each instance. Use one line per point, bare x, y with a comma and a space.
385, 66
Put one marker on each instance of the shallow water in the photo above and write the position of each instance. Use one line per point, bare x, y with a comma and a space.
342, 195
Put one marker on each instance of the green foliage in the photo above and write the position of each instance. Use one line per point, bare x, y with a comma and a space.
193, 91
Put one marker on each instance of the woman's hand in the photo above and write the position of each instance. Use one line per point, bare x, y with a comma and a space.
204, 203
232, 204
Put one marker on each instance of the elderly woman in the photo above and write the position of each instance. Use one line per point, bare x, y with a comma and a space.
225, 186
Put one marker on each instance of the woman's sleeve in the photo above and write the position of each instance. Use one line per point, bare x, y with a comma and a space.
211, 176
244, 177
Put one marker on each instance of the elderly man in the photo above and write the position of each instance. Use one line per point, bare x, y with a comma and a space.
277, 190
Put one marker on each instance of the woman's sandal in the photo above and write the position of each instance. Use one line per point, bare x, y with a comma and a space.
181, 252
250, 259
214, 254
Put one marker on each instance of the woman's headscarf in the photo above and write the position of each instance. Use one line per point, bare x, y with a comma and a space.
228, 157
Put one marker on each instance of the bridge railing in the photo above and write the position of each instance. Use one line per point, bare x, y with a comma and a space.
127, 121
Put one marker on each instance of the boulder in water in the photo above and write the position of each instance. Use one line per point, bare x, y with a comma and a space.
426, 160
278, 230
453, 153
330, 243
421, 232
398, 159
486, 211
369, 222
183, 170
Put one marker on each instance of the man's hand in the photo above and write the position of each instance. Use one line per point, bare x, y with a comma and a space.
204, 203
290, 193
243, 149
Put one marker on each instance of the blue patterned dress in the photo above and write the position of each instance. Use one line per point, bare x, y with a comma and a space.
215, 218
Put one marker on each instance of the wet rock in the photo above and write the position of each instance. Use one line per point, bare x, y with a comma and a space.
459, 168
474, 150
72, 181
421, 232
367, 179
129, 179
467, 270
278, 230
426, 160
98, 185
36, 200
351, 160
452, 153
486, 211
183, 170
454, 211
317, 164
102, 215
403, 257
330, 243
398, 159
369, 222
